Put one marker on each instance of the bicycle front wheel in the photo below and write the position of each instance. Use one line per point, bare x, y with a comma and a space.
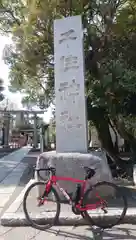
109, 213
46, 215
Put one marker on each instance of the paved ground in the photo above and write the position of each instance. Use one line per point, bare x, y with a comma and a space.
126, 231
9, 162
120, 232
11, 170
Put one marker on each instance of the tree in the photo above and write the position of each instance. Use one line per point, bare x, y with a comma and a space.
109, 43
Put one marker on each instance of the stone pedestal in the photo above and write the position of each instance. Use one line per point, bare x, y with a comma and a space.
71, 165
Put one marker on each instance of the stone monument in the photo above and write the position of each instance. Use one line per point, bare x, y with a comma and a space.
71, 125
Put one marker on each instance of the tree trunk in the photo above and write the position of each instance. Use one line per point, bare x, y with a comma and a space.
101, 123
104, 134
119, 123
89, 133
116, 146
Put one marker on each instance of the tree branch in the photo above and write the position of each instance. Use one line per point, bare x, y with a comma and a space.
6, 10
5, 31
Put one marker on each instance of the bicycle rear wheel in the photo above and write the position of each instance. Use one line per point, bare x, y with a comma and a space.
47, 216
113, 209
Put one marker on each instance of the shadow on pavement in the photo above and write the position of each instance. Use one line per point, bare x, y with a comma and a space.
114, 233
28, 174
70, 235
99, 234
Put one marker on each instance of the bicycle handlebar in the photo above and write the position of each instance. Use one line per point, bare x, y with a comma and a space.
49, 169
53, 170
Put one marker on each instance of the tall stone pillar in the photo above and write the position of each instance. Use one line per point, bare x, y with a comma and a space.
46, 137
19, 119
6, 128
35, 140
42, 140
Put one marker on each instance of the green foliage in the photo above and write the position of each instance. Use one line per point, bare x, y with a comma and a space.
109, 49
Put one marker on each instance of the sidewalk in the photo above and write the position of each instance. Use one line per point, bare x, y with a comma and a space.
11, 170
121, 232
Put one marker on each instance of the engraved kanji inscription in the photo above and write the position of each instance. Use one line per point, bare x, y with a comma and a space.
69, 92
69, 35
69, 62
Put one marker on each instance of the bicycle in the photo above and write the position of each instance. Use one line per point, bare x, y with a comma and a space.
79, 202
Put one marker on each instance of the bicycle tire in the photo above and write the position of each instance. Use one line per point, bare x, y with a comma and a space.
103, 224
29, 219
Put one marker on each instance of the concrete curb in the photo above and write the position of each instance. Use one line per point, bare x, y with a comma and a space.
18, 219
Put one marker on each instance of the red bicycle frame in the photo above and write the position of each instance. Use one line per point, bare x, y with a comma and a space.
53, 181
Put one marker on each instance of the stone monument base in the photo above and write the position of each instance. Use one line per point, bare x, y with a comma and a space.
71, 165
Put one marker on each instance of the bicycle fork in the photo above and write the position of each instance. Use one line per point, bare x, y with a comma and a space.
45, 194
102, 204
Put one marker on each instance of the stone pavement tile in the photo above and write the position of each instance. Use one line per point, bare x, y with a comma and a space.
4, 173
14, 177
66, 233
11, 167
121, 232
4, 199
49, 235
6, 189
82, 232
18, 155
20, 233
4, 230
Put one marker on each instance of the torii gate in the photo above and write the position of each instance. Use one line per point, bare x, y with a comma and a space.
7, 118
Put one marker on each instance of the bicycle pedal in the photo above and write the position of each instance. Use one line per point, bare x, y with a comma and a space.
40, 204
105, 211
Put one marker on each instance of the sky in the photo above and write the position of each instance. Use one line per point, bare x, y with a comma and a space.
4, 71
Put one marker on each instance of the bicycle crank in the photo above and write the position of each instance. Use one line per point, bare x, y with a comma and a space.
105, 211
75, 210
41, 201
